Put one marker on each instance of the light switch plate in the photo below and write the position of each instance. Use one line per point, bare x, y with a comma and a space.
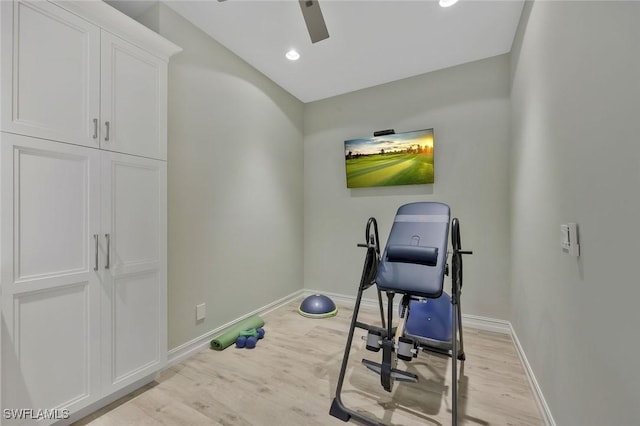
569, 239
565, 243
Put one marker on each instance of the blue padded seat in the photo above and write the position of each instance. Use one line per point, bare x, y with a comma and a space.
414, 258
429, 321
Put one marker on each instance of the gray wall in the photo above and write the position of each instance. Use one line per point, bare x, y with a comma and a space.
235, 183
576, 158
468, 107
569, 92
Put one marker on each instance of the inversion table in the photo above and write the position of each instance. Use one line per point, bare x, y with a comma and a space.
414, 264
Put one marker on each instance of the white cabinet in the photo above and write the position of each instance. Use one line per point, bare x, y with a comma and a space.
134, 304
133, 99
82, 208
68, 80
50, 290
83, 240
50, 73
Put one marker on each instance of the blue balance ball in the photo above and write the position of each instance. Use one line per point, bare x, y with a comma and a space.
260, 333
317, 306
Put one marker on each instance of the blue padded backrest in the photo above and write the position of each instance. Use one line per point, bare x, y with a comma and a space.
414, 259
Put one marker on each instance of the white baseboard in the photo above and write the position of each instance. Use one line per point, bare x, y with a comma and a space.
344, 298
485, 323
472, 321
543, 407
93, 407
188, 349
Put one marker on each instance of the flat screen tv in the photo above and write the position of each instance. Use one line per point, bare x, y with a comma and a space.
397, 159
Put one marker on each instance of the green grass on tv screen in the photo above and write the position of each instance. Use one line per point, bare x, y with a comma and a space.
389, 169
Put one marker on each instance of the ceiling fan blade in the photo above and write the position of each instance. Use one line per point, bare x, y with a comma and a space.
314, 20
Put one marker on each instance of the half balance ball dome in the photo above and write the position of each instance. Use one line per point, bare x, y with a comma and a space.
317, 306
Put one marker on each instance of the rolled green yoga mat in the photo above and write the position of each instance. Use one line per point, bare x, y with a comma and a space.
229, 337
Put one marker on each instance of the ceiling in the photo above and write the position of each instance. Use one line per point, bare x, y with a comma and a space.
371, 41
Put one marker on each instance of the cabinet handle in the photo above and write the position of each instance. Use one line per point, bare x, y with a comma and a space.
108, 237
95, 237
106, 136
95, 128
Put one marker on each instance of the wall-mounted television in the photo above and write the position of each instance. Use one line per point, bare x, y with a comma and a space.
396, 159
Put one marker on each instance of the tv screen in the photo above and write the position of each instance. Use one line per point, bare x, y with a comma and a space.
397, 159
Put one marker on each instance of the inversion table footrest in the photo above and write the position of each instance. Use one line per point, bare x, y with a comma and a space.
401, 376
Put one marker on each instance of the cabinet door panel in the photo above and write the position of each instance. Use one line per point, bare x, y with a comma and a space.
51, 60
135, 323
136, 216
51, 340
50, 291
134, 196
52, 222
133, 99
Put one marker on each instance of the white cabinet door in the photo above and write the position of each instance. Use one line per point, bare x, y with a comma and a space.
133, 99
134, 303
50, 73
50, 291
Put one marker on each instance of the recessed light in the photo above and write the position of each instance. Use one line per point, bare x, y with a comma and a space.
292, 55
447, 3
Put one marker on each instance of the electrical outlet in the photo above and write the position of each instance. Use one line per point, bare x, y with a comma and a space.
201, 311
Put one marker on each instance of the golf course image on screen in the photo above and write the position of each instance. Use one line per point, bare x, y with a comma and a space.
397, 159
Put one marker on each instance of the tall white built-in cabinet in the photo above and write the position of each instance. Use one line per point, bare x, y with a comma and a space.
83, 204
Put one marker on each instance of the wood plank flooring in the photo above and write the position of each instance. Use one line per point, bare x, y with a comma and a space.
290, 379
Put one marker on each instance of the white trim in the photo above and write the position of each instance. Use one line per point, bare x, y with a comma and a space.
342, 298
486, 323
543, 407
471, 321
190, 348
110, 19
108, 399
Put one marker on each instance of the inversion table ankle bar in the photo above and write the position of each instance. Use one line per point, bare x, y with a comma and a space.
414, 264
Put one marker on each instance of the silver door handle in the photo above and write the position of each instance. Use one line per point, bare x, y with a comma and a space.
106, 136
95, 237
95, 128
108, 237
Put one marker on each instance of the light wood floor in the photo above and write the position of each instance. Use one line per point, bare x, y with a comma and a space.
290, 379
